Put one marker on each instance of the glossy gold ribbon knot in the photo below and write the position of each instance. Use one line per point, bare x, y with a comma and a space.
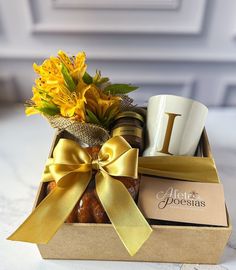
71, 167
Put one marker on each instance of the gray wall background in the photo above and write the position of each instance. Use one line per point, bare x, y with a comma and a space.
182, 47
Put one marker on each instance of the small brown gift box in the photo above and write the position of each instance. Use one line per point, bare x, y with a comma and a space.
167, 243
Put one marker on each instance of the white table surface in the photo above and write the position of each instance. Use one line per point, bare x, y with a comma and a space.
24, 146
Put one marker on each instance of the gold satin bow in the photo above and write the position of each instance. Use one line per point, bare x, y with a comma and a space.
71, 167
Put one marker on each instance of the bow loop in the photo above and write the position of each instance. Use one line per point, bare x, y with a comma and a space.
124, 165
117, 158
113, 149
69, 152
69, 159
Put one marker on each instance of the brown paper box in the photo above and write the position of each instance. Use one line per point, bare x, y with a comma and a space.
167, 243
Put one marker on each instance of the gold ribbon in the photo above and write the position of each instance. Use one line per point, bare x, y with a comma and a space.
200, 169
71, 167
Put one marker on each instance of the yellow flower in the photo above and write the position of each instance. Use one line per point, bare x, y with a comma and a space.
30, 111
65, 88
60, 86
71, 104
50, 74
41, 102
51, 71
37, 97
103, 106
76, 66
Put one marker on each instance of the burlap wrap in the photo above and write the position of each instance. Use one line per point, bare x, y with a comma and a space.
126, 103
84, 132
87, 133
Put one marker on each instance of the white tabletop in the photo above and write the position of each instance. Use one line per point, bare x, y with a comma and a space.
24, 146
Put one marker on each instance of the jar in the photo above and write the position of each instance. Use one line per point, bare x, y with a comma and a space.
129, 125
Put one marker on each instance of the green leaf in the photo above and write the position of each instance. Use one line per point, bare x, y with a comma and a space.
102, 80
87, 78
49, 105
49, 108
114, 89
93, 118
68, 79
111, 113
48, 111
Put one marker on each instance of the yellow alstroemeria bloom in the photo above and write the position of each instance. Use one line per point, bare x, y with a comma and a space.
51, 88
51, 68
76, 65
39, 100
36, 99
71, 104
50, 71
102, 105
50, 74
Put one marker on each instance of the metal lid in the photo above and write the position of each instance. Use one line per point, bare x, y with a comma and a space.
130, 114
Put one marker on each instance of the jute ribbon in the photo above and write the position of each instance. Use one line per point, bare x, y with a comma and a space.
71, 167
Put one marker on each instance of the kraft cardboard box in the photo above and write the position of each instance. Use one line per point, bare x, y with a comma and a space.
167, 243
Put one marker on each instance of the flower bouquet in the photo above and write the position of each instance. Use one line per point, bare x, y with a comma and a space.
73, 100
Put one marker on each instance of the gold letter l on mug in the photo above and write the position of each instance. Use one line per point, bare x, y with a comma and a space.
169, 128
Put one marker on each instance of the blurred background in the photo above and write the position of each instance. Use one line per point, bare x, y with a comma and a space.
180, 47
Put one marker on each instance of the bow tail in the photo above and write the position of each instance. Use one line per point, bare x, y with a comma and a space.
122, 211
51, 213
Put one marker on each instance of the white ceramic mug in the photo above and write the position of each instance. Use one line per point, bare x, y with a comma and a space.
174, 125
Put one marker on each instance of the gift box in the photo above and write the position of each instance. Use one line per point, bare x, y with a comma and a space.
100, 183
167, 243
